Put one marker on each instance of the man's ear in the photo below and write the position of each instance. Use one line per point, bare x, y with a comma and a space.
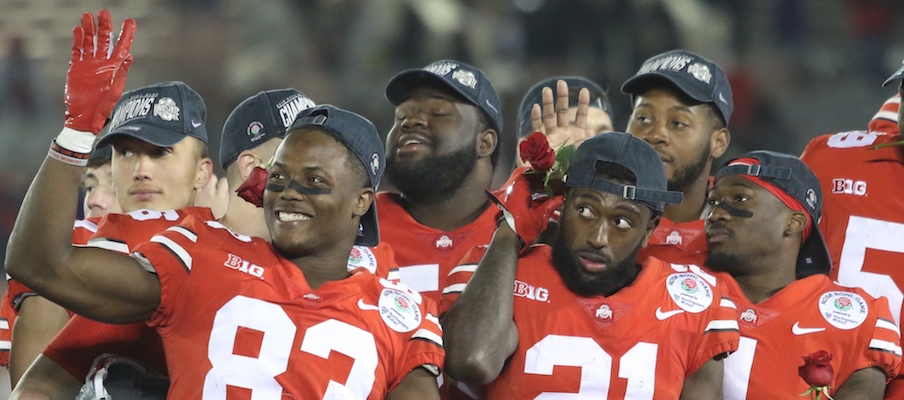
364, 202
718, 142
486, 143
205, 171
651, 226
246, 162
796, 223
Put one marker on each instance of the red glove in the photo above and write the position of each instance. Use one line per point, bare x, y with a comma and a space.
95, 80
527, 211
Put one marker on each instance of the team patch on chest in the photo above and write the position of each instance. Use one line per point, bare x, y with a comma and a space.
844, 310
689, 291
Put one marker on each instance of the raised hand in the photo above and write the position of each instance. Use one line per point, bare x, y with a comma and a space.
97, 75
552, 116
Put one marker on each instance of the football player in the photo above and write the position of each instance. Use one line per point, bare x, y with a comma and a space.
762, 229
582, 318
226, 304
681, 106
862, 212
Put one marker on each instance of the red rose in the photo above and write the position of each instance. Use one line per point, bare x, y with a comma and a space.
817, 371
252, 190
536, 151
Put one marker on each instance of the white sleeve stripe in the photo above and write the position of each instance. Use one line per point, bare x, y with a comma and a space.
107, 244
185, 232
891, 116
5, 345
4, 324
394, 275
463, 268
84, 224
175, 248
725, 302
425, 334
881, 323
455, 288
884, 345
434, 320
722, 325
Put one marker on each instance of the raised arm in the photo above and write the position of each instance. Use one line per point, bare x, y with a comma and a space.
96, 283
479, 333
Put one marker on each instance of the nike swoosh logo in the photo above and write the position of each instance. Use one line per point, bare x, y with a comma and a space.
367, 307
797, 330
491, 106
722, 98
662, 315
195, 124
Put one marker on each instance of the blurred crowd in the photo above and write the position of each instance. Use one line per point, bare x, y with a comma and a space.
798, 68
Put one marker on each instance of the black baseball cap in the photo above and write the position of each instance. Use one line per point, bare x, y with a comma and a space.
651, 188
359, 135
795, 178
259, 118
598, 98
699, 78
161, 114
897, 76
467, 81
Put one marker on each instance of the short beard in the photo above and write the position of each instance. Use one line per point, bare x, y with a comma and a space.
433, 179
684, 177
733, 264
605, 283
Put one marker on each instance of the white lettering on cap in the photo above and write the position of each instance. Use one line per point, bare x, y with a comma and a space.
670, 63
441, 68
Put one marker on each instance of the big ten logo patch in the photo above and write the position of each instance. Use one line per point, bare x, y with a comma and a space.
848, 186
237, 263
530, 292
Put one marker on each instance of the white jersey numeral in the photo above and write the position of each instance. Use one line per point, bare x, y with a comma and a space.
146, 215
867, 233
846, 140
638, 366
259, 373
736, 378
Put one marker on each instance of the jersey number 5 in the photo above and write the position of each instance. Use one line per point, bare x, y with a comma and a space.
259, 374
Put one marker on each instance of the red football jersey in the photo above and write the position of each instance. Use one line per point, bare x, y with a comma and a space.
683, 243
640, 343
237, 319
862, 213
83, 339
16, 292
425, 255
809, 315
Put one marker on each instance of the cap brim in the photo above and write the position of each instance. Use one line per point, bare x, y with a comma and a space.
814, 255
897, 76
406, 81
370, 228
153, 135
642, 82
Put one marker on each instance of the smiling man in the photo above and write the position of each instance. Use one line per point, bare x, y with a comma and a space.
582, 318
762, 228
